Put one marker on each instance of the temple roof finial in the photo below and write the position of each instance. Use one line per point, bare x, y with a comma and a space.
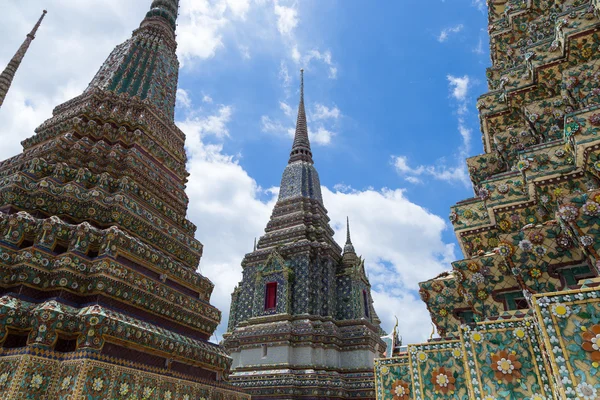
167, 9
348, 248
301, 149
7, 76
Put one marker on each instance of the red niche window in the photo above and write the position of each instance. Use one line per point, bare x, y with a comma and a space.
271, 296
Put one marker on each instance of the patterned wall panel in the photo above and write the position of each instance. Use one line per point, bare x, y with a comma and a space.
570, 325
505, 361
393, 378
439, 370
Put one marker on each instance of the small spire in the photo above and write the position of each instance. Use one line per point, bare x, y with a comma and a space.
301, 147
254, 244
348, 248
7, 76
348, 241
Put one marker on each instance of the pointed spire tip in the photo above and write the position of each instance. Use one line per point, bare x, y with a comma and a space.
301, 148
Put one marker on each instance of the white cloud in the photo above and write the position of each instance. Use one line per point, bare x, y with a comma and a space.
268, 125
459, 89
207, 99
440, 171
287, 109
215, 124
284, 75
479, 48
323, 112
239, 8
183, 98
321, 136
480, 4
448, 31
459, 86
287, 18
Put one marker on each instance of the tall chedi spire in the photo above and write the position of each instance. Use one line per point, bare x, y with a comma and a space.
146, 66
7, 76
298, 284
98, 197
301, 147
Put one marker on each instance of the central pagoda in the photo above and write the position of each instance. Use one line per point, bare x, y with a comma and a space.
302, 322
99, 293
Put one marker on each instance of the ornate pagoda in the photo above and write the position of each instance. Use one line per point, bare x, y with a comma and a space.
302, 322
519, 317
99, 294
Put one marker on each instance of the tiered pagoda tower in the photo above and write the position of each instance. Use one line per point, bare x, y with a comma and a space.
99, 294
302, 322
519, 317
7, 76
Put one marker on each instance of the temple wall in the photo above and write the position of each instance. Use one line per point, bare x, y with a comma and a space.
548, 354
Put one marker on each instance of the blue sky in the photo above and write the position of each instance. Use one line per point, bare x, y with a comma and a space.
391, 88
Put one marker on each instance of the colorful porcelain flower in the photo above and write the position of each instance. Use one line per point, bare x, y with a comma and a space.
3, 379
98, 384
535, 273
585, 391
476, 336
66, 382
536, 237
591, 342
563, 241
561, 311
520, 333
523, 165
438, 287
400, 390
586, 240
539, 251
505, 249
595, 119
124, 388
591, 208
568, 212
531, 219
473, 267
36, 381
525, 245
504, 225
506, 366
422, 356
443, 381
482, 294
484, 193
477, 278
